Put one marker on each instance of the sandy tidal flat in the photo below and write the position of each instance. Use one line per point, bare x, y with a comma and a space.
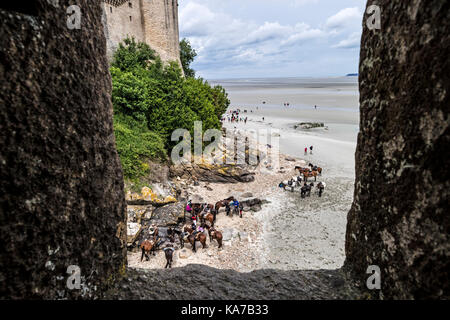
289, 232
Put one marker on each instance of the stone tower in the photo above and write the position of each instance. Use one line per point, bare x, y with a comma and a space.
154, 22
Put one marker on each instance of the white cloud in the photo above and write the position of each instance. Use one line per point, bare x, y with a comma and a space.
344, 18
220, 36
230, 41
353, 41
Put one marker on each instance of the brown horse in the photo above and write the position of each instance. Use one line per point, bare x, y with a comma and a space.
223, 203
213, 210
208, 219
188, 229
310, 174
197, 208
169, 256
191, 239
214, 234
316, 168
147, 247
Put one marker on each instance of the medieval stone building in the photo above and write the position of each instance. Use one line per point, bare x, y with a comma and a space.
154, 22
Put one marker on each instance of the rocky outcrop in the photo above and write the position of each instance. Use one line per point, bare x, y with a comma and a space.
169, 215
214, 173
231, 285
61, 196
399, 220
251, 204
309, 125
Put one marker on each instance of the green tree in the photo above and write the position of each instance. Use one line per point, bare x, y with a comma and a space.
130, 55
187, 56
151, 100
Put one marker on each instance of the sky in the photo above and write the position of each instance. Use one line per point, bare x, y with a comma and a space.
273, 38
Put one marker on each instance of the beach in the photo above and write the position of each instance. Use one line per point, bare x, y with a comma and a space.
289, 232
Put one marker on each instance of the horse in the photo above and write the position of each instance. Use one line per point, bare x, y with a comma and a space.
315, 168
321, 187
215, 235
309, 174
201, 237
303, 191
197, 208
306, 175
171, 232
222, 203
147, 247
188, 229
169, 256
292, 184
306, 190
189, 237
209, 218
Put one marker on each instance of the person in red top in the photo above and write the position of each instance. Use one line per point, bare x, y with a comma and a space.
306, 150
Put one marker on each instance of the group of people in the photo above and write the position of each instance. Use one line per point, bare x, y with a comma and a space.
310, 150
234, 116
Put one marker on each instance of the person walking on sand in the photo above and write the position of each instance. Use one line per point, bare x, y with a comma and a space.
310, 149
306, 151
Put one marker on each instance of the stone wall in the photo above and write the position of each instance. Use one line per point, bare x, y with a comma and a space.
121, 22
152, 21
61, 193
399, 219
161, 27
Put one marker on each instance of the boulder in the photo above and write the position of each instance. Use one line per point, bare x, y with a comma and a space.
247, 195
133, 231
184, 253
139, 214
168, 215
250, 202
309, 125
217, 170
256, 208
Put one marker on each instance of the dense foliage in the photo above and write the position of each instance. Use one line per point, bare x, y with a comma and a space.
151, 100
187, 56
